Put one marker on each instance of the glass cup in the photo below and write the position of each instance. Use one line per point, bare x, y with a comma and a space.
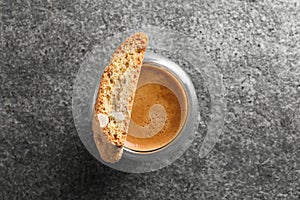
142, 161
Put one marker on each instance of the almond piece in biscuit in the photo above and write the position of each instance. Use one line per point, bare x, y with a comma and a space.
112, 110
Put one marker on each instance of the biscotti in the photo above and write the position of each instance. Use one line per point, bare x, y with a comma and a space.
115, 97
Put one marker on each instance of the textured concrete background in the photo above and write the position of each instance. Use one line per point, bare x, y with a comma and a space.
255, 45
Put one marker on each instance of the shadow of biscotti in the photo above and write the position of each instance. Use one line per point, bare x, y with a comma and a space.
81, 174
84, 177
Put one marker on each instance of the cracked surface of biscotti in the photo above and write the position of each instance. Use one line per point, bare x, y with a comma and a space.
115, 97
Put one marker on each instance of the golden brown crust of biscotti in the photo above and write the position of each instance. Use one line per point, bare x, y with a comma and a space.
136, 45
125, 64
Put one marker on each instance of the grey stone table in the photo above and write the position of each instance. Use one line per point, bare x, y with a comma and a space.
254, 44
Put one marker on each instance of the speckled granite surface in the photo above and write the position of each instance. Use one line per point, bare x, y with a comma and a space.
255, 45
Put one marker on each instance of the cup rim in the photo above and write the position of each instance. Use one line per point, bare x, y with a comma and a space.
187, 128
154, 60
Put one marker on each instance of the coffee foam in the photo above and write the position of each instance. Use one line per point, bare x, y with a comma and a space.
158, 118
159, 110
